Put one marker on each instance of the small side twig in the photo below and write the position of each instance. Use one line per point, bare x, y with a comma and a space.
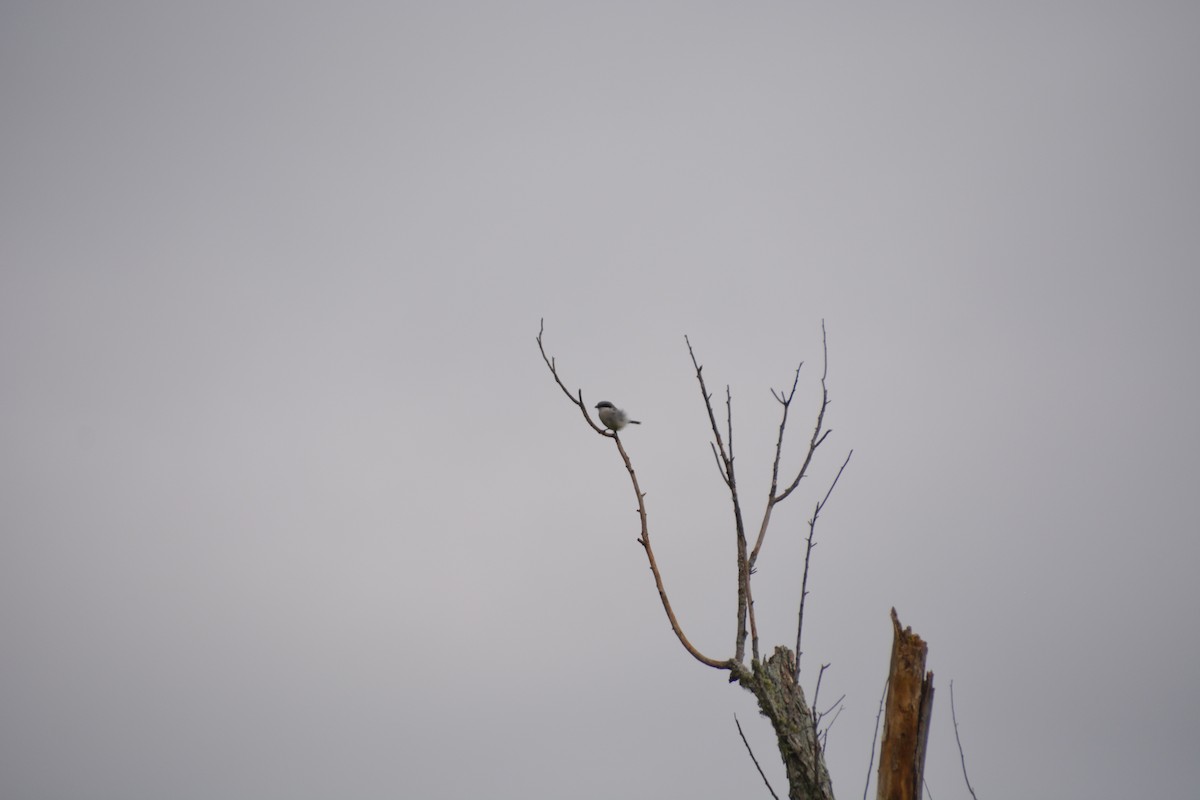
824, 735
879, 716
832, 706
752, 758
577, 398
812, 527
817, 716
817, 691
961, 757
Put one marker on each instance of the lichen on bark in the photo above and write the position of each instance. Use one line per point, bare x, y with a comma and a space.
781, 700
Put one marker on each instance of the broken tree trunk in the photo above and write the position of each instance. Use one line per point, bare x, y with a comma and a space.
781, 700
906, 723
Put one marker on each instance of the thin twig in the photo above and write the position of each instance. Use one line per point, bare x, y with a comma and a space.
725, 463
742, 561
879, 716
817, 692
773, 496
752, 758
812, 527
729, 418
784, 400
961, 757
829, 727
577, 399
817, 716
720, 466
712, 419
817, 436
750, 611
834, 705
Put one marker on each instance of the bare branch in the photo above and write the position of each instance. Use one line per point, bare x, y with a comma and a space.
749, 601
644, 540
825, 500
879, 716
784, 400
817, 435
817, 691
812, 527
752, 758
824, 735
712, 419
836, 703
817, 716
725, 460
729, 419
961, 757
577, 399
720, 466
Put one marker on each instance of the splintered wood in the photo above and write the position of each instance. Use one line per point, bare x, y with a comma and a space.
906, 723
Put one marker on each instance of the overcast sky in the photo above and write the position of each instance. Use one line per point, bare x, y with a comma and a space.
291, 508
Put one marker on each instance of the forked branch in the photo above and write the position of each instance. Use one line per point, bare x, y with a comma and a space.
818, 436
725, 464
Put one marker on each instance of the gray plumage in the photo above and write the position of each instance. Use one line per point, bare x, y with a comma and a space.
613, 418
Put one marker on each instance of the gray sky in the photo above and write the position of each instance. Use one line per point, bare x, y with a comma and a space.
290, 507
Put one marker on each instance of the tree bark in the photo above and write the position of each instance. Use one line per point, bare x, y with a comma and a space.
906, 723
781, 700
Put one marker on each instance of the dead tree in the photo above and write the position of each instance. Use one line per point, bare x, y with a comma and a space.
774, 680
906, 722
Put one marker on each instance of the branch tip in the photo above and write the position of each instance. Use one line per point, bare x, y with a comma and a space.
752, 758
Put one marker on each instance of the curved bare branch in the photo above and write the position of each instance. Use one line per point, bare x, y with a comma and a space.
644, 540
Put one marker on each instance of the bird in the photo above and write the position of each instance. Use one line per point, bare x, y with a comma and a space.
613, 418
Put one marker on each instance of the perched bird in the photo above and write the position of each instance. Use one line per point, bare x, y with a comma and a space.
613, 417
